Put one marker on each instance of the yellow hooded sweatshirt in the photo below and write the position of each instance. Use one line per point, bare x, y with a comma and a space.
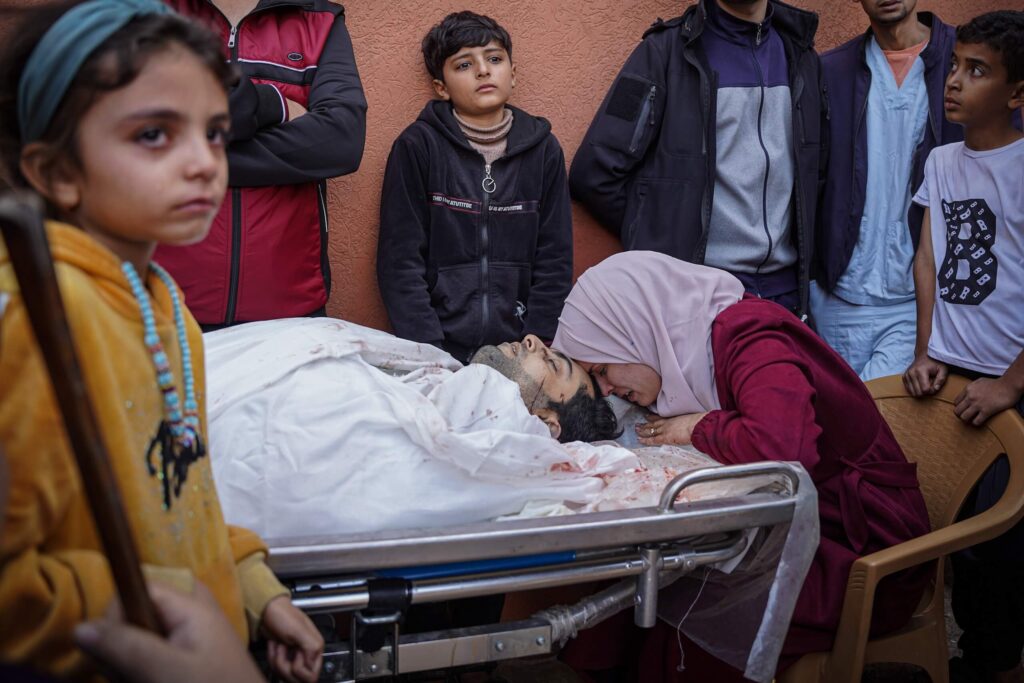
53, 573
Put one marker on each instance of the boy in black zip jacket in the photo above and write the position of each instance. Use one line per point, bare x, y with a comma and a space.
475, 241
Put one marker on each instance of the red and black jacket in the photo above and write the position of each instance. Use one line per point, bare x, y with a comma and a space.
266, 254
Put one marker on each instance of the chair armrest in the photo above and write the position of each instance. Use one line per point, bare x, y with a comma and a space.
855, 620
933, 545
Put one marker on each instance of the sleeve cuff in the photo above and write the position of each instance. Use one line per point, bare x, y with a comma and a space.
259, 587
97, 584
271, 109
699, 437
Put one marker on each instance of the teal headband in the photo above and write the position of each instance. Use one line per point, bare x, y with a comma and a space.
55, 61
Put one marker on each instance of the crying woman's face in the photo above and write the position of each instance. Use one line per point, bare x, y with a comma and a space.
633, 382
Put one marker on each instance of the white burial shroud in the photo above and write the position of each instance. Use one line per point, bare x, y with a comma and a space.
320, 426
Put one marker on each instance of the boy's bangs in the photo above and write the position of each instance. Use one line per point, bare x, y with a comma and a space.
457, 31
474, 36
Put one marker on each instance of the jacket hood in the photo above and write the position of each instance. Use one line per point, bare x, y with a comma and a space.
527, 130
74, 248
794, 23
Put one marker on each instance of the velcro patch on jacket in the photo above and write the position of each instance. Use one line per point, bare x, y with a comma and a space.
454, 203
627, 98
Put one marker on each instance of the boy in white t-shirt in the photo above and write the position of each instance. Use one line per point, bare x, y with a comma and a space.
969, 275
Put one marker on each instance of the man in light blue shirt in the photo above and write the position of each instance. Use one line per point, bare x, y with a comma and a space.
864, 305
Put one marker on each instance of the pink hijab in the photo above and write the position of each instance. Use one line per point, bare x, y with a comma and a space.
646, 307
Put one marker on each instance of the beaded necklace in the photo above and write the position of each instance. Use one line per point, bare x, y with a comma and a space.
178, 434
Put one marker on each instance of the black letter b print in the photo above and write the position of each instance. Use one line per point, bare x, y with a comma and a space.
968, 273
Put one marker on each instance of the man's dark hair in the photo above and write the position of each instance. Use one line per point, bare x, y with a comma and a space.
459, 30
586, 418
1003, 32
114, 64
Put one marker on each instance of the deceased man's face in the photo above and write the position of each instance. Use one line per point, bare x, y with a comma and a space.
543, 374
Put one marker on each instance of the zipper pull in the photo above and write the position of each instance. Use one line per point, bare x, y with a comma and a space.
650, 98
757, 38
231, 36
488, 182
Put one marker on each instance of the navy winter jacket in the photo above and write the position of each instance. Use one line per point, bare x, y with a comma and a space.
457, 266
848, 80
646, 167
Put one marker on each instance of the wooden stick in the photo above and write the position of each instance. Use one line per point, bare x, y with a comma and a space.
22, 229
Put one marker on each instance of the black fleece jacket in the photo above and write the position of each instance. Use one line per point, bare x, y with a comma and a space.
460, 267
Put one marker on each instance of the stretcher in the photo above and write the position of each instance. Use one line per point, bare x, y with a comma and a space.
374, 578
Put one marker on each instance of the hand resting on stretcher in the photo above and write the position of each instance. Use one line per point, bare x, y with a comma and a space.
319, 426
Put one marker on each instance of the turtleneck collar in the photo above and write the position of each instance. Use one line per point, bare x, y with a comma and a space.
736, 30
491, 142
485, 135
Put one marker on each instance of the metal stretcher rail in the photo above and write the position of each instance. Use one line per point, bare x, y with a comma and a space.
361, 552
646, 548
315, 599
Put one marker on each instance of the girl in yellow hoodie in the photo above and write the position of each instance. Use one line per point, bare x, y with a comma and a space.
121, 121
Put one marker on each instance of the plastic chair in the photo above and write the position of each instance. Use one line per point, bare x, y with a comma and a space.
950, 457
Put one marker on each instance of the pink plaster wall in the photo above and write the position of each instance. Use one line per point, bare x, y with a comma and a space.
567, 53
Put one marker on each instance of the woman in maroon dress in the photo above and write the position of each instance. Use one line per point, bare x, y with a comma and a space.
744, 380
